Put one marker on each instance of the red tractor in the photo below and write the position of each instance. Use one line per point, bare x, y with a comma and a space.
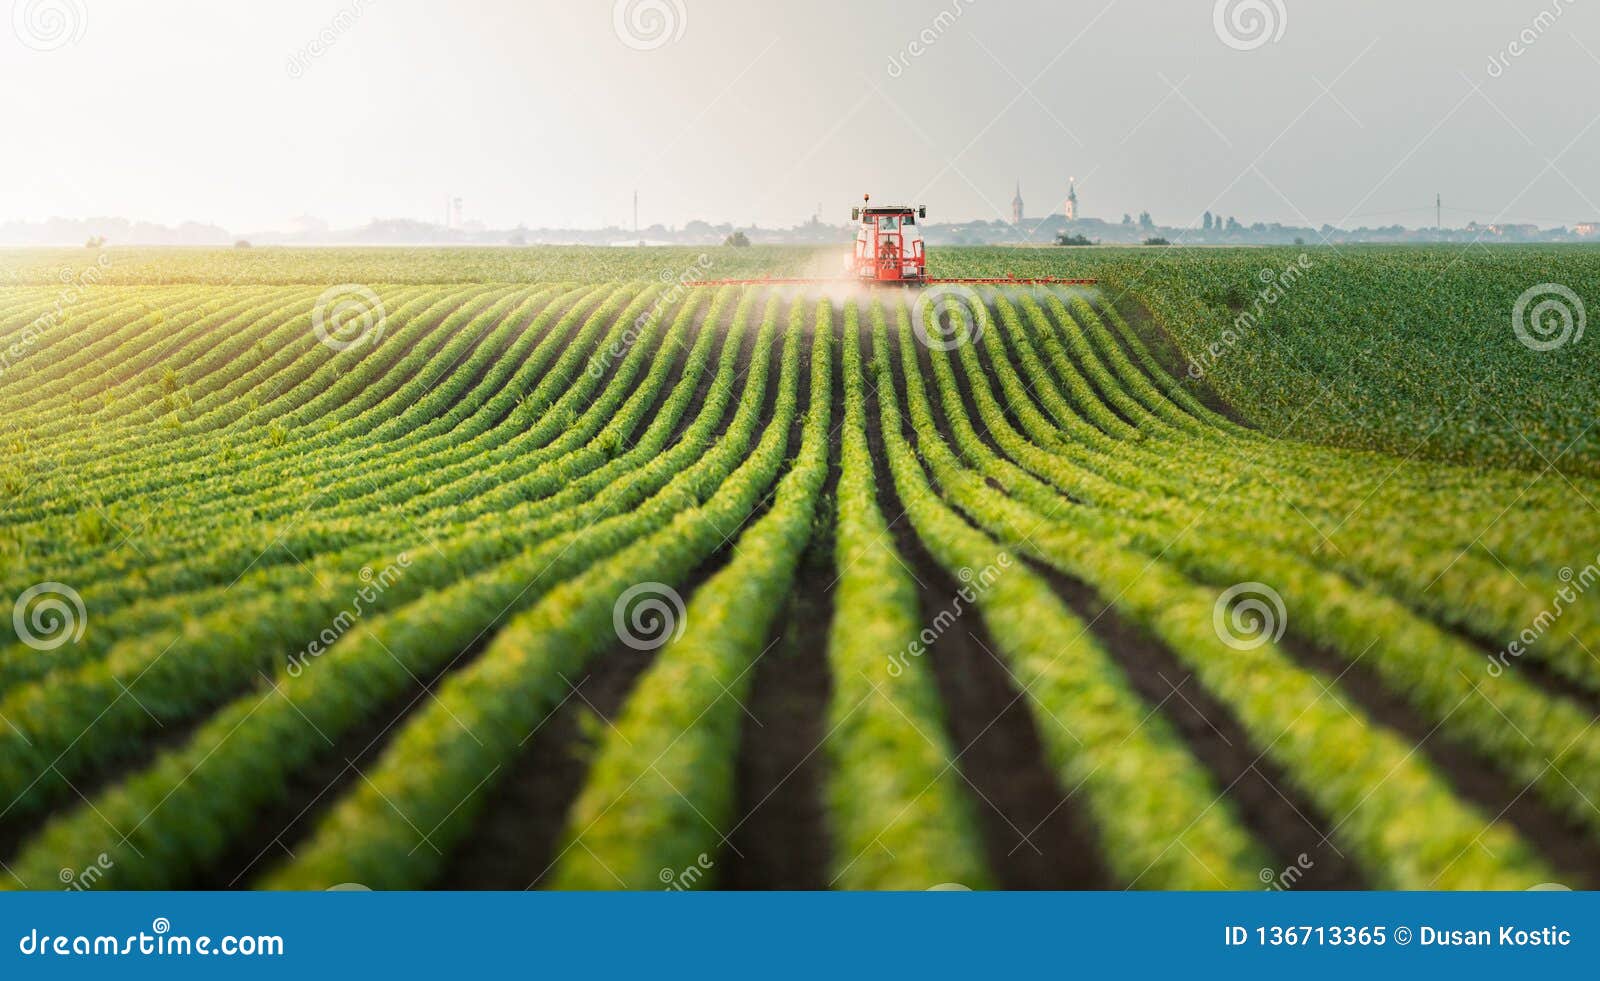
889, 252
888, 244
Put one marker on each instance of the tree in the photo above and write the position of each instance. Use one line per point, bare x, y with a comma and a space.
1127, 219
1206, 222
1156, 241
737, 240
1145, 220
1065, 239
242, 244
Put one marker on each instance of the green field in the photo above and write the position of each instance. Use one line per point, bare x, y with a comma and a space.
1403, 349
490, 568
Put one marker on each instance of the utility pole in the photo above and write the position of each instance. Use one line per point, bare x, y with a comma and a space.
1438, 212
635, 213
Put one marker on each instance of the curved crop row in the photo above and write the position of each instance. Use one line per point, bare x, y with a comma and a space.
484, 713
661, 786
1162, 822
1400, 819
900, 815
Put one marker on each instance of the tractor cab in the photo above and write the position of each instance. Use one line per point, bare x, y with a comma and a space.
888, 243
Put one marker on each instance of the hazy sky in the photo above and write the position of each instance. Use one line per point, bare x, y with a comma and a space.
551, 113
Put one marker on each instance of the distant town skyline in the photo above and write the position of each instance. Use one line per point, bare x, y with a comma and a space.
552, 114
1019, 227
454, 213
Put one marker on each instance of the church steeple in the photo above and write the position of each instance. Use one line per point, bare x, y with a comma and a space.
1016, 205
1072, 199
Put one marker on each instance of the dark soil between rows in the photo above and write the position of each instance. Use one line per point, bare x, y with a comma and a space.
780, 835
515, 841
1267, 801
1282, 818
314, 789
1568, 846
1036, 834
780, 838
1166, 351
